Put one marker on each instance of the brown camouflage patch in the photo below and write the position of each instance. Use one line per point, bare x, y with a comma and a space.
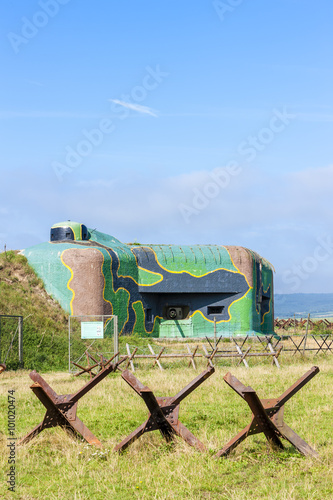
243, 260
88, 281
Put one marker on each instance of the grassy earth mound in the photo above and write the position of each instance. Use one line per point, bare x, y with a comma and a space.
22, 293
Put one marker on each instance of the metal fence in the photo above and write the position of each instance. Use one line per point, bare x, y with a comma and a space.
238, 350
11, 341
286, 324
97, 334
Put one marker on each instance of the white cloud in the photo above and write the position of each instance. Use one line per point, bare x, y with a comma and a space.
135, 107
318, 179
280, 217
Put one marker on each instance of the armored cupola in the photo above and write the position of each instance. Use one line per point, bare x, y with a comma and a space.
69, 230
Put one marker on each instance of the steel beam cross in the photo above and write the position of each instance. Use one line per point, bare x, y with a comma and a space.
163, 412
102, 364
267, 416
61, 409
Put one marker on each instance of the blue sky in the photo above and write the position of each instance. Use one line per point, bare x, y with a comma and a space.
172, 122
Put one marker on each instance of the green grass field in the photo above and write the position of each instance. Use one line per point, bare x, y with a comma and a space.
56, 466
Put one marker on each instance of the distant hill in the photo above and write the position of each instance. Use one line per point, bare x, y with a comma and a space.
319, 305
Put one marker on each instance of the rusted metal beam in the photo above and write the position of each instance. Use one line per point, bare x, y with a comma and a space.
267, 416
61, 409
301, 382
163, 412
192, 385
89, 369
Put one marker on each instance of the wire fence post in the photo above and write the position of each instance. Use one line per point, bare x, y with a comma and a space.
214, 332
20, 341
115, 337
11, 342
306, 334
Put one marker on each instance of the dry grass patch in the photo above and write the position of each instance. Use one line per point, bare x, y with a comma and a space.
56, 466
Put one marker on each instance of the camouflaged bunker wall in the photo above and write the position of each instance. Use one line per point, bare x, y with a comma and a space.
157, 290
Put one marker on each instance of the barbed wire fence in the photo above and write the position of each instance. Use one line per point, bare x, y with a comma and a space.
221, 349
